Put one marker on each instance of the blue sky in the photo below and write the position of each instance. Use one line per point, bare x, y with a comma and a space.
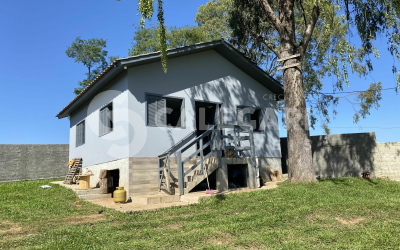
37, 78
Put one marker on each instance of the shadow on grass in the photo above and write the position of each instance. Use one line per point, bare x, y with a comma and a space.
218, 198
349, 181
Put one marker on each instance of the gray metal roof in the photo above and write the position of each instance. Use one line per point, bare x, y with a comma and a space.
220, 46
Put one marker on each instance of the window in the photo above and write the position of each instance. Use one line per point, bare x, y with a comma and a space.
164, 111
248, 116
106, 123
80, 134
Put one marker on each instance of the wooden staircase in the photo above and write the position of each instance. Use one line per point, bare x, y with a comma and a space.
211, 164
214, 141
73, 172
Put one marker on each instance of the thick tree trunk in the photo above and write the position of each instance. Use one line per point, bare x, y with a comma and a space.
300, 165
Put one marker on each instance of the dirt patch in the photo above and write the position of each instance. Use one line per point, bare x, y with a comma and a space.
314, 216
221, 238
175, 225
9, 227
73, 220
350, 222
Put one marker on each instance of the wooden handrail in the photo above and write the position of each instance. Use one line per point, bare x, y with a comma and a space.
218, 139
197, 139
175, 147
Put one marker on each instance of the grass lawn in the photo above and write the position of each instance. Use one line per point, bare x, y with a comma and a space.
344, 213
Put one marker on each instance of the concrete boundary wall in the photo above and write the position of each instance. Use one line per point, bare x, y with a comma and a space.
387, 160
32, 161
343, 154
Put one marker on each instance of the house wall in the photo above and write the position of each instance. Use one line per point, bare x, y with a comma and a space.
112, 146
204, 76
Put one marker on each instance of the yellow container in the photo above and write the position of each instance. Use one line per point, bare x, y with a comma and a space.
120, 195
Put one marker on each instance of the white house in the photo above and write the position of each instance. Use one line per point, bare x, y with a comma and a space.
134, 112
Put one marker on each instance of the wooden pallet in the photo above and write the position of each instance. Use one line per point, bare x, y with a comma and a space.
73, 172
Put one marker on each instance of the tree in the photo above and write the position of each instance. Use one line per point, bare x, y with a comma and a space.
213, 23
145, 40
275, 27
213, 18
310, 38
90, 53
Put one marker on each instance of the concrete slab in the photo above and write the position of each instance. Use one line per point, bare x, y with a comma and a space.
191, 198
61, 183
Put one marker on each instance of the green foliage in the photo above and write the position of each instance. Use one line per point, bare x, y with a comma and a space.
92, 55
213, 18
369, 99
146, 9
88, 52
162, 36
330, 52
145, 40
343, 213
209, 32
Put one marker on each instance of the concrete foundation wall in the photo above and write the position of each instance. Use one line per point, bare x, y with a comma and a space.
122, 165
31, 162
143, 173
387, 160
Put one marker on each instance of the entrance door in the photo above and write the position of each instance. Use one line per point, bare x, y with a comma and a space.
207, 115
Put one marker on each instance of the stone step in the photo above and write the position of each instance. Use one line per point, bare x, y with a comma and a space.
155, 199
94, 196
189, 199
87, 191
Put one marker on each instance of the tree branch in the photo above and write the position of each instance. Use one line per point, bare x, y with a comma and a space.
309, 30
266, 43
271, 16
304, 13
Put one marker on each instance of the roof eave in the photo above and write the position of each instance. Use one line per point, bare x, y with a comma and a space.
93, 88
